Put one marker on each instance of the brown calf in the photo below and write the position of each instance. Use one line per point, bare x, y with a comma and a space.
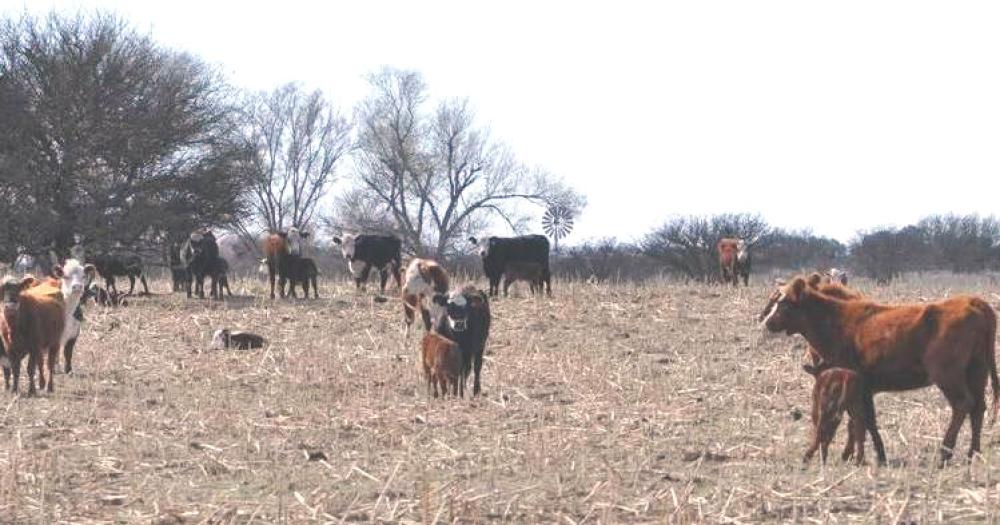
442, 359
838, 390
423, 280
949, 343
532, 272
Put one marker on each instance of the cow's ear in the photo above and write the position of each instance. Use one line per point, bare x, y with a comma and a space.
336, 240
814, 280
90, 270
796, 289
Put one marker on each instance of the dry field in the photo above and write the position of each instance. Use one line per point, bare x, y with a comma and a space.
607, 403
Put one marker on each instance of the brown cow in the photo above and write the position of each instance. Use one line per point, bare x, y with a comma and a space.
35, 316
734, 261
838, 390
423, 280
443, 364
949, 343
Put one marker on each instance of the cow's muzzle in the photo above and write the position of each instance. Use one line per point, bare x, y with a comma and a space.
459, 325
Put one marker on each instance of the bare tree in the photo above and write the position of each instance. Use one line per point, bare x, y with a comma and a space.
436, 175
295, 141
108, 135
687, 245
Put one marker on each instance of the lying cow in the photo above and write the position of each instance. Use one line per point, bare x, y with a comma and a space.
226, 338
498, 253
424, 279
467, 322
364, 252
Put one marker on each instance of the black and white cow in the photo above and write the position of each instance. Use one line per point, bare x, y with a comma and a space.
364, 252
200, 255
467, 322
498, 252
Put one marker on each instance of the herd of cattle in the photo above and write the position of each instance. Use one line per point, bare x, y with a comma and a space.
857, 347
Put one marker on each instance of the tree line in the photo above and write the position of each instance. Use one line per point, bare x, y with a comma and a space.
114, 137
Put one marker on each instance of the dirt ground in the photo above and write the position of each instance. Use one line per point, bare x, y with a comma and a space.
607, 403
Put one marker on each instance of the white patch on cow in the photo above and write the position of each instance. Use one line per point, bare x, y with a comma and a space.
262, 267
414, 282
741, 251
774, 309
347, 246
218, 340
72, 284
293, 240
356, 269
458, 299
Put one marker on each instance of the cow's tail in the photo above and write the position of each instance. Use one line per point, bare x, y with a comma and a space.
991, 358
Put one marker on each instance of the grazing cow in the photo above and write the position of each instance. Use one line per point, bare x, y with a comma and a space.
734, 261
364, 252
838, 390
443, 364
498, 252
949, 343
836, 275
35, 317
467, 322
283, 252
200, 255
111, 265
240, 340
424, 279
532, 272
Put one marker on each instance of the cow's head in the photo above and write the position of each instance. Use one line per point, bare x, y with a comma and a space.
346, 245
10, 291
481, 246
293, 240
220, 339
458, 307
837, 275
784, 311
74, 277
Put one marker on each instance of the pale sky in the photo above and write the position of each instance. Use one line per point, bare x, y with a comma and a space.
834, 116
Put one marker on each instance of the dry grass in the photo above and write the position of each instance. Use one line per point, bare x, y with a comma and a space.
605, 404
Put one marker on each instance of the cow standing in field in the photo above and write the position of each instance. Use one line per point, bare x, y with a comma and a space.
533, 273
179, 276
111, 265
283, 256
200, 255
949, 343
734, 261
467, 322
443, 364
34, 314
499, 252
364, 252
424, 279
838, 390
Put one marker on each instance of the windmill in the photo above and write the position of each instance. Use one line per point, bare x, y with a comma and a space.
557, 222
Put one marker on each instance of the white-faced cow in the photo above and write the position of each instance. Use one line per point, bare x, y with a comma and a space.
499, 252
364, 252
284, 260
466, 322
423, 280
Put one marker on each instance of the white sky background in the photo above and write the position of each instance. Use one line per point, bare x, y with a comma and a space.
830, 116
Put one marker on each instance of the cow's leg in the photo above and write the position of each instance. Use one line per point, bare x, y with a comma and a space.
53, 357
547, 277
187, 283
478, 366
494, 285
131, 283
305, 287
868, 399
32, 365
383, 277
362, 281
229, 291
15, 367
856, 433
315, 287
397, 274
109, 283
145, 286
506, 285
409, 305
6, 377
977, 384
282, 280
68, 355
426, 314
962, 403
270, 277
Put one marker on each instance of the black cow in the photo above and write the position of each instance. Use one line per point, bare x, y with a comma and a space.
467, 322
220, 277
179, 275
302, 271
498, 252
364, 252
115, 264
200, 255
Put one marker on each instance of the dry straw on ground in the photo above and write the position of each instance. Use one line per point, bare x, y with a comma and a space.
607, 403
